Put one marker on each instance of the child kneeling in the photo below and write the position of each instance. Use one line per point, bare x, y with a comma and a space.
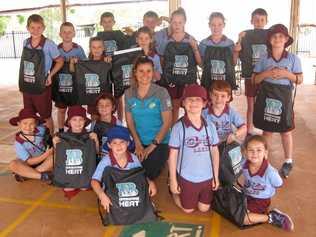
118, 139
261, 181
193, 158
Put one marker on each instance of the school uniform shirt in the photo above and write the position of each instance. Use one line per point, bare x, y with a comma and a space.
49, 48
153, 56
224, 42
288, 61
25, 150
146, 112
164, 39
196, 161
263, 184
114, 122
109, 160
225, 122
75, 51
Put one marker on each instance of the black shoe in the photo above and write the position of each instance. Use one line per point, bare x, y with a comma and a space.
281, 220
286, 169
47, 177
19, 178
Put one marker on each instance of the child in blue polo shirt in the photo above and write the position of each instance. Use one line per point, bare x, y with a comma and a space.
230, 126
261, 181
69, 51
119, 157
279, 68
193, 158
42, 103
33, 161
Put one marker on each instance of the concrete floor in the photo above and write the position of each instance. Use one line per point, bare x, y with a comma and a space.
34, 209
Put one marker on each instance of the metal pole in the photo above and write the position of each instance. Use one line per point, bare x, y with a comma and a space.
294, 23
63, 10
14, 49
173, 5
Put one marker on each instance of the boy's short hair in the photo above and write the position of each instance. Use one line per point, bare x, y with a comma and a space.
96, 38
260, 12
34, 18
106, 96
67, 23
216, 15
146, 30
151, 14
222, 86
107, 14
257, 138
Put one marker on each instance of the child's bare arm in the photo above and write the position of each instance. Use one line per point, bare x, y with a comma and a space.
38, 159
281, 73
104, 199
151, 187
59, 62
196, 51
94, 137
72, 63
259, 77
215, 159
172, 163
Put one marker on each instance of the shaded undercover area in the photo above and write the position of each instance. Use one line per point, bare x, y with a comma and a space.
34, 209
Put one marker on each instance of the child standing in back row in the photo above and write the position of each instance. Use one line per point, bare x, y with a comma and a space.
69, 51
282, 70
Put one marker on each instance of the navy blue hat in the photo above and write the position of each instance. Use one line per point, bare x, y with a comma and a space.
119, 132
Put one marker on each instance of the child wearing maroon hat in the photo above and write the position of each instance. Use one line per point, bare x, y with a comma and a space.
33, 161
261, 182
77, 121
193, 158
282, 70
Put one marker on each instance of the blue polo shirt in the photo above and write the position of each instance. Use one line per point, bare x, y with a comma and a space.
147, 112
196, 160
49, 48
163, 39
110, 160
75, 51
224, 42
25, 150
288, 61
263, 184
225, 122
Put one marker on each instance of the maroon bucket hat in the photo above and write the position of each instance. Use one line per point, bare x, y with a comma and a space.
25, 113
279, 28
77, 110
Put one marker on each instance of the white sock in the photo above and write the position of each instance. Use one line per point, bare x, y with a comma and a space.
290, 160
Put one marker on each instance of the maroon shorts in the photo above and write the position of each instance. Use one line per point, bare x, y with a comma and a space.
250, 88
60, 105
175, 92
41, 104
193, 193
256, 205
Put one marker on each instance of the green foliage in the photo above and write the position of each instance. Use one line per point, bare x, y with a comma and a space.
3, 23
21, 19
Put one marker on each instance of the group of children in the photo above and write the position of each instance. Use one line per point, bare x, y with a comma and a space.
197, 139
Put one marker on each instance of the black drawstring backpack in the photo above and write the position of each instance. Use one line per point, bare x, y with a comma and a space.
93, 79
179, 64
128, 192
32, 77
253, 46
273, 110
113, 41
64, 88
122, 71
74, 160
218, 65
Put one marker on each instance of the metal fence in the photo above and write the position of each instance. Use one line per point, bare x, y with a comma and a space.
307, 40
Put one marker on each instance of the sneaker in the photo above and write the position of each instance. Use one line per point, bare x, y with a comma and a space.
281, 220
286, 169
19, 178
47, 177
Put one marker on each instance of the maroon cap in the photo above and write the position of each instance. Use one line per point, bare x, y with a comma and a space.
279, 28
24, 114
77, 110
194, 90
